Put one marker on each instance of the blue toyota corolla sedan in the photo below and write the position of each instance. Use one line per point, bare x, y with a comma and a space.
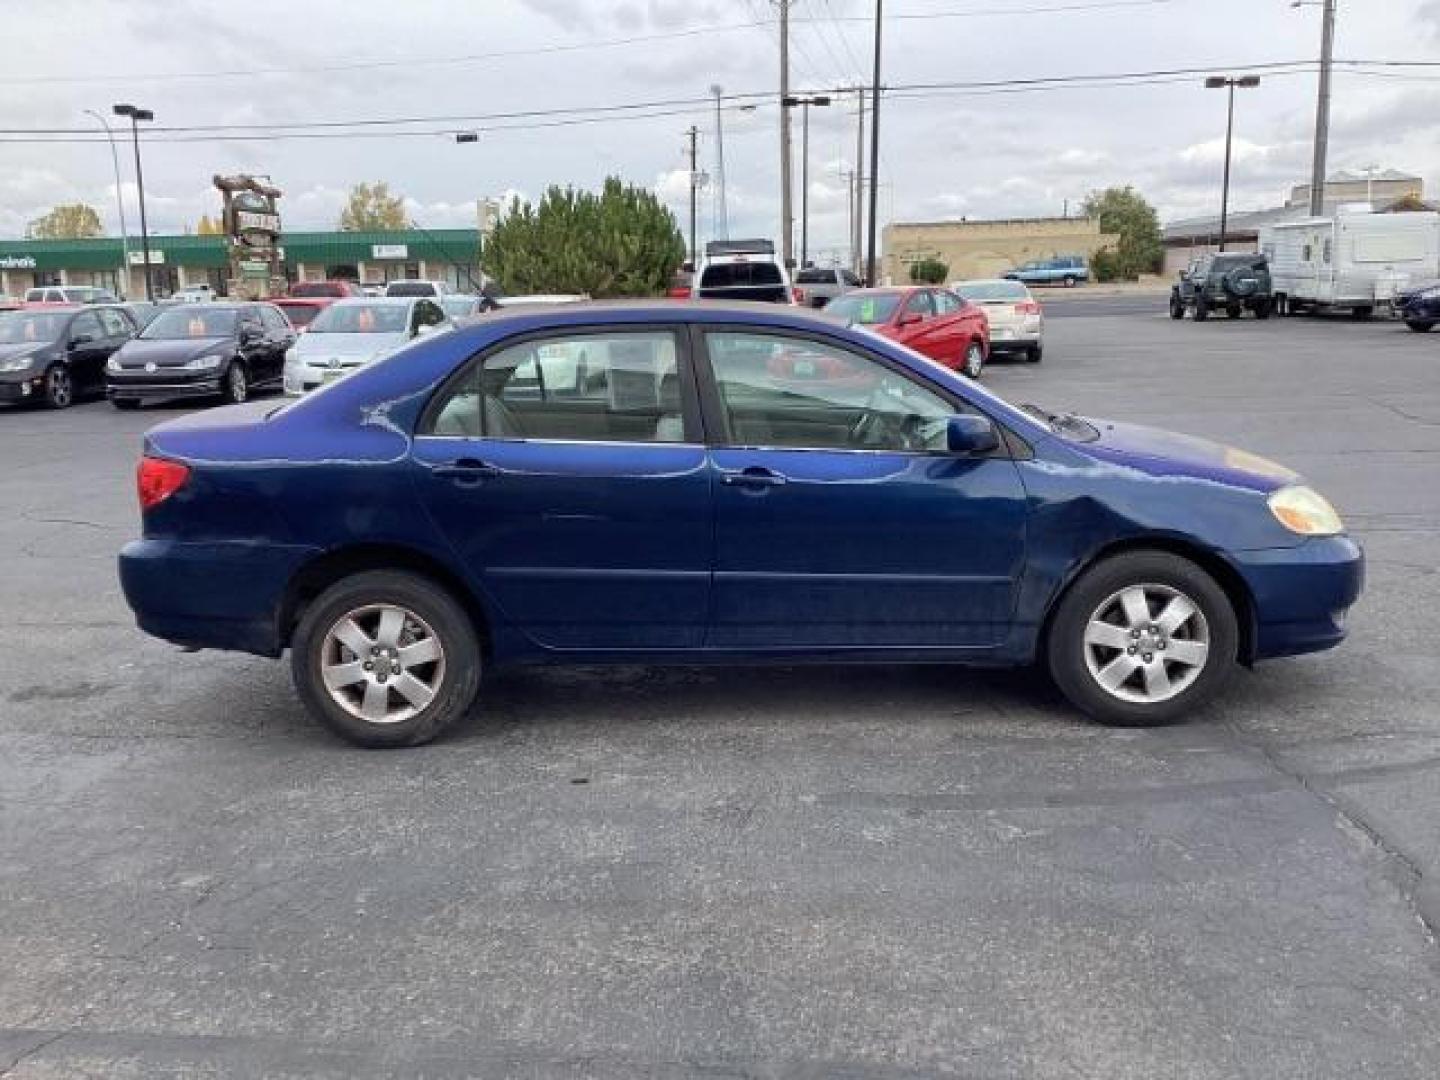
688, 483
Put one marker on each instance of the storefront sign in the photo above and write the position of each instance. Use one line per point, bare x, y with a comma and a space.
250, 220
389, 251
17, 262
157, 257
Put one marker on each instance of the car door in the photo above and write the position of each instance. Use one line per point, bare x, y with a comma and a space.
567, 472
840, 522
922, 329
957, 323
86, 349
279, 336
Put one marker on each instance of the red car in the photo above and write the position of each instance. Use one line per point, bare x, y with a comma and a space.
334, 290
301, 310
935, 322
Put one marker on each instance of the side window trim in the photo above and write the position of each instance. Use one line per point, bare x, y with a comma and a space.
684, 368
712, 406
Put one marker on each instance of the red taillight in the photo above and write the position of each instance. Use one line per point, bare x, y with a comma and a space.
157, 479
1027, 307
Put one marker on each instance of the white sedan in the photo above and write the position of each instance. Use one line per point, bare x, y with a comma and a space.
1017, 324
353, 332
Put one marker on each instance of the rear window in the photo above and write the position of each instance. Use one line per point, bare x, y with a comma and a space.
991, 290
1225, 263
814, 276
300, 314
319, 288
730, 275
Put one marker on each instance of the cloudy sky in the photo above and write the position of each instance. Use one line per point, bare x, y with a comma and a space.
946, 152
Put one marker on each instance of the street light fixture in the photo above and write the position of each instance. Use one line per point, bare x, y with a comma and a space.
137, 114
789, 102
1227, 82
124, 275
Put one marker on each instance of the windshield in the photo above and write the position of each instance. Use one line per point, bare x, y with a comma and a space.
362, 319
299, 314
867, 309
29, 327
195, 322
991, 290
463, 305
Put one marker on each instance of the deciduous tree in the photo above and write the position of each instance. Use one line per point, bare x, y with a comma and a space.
70, 221
929, 272
373, 209
1125, 214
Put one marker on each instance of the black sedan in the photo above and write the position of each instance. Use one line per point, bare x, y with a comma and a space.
1420, 307
201, 350
50, 354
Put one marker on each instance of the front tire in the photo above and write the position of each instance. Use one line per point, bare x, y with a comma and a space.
59, 388
235, 388
386, 659
1177, 307
1141, 639
974, 361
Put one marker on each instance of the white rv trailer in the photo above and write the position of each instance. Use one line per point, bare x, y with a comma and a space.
1356, 259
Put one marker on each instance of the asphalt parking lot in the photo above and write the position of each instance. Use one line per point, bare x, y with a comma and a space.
818, 872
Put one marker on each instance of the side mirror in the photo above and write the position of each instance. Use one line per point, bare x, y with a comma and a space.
249, 334
909, 318
967, 434
82, 339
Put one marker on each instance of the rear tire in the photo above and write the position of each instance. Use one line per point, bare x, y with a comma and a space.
322, 644
1034, 354
1360, 314
1202, 309
1420, 326
1182, 656
1232, 311
974, 360
1177, 307
1262, 309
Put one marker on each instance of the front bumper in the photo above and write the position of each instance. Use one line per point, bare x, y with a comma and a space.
22, 386
302, 378
220, 595
1302, 595
163, 385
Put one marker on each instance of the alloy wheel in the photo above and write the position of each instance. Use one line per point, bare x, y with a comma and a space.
1146, 643
974, 360
382, 663
237, 387
59, 391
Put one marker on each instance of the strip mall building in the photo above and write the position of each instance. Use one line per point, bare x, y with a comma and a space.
450, 255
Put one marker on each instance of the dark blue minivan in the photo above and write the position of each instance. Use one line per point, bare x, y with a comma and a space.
652, 482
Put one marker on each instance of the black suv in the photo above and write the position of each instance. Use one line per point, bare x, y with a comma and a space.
1225, 282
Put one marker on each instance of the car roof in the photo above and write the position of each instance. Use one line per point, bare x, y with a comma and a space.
666, 311
989, 281
382, 301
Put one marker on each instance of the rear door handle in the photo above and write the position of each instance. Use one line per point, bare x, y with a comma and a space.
757, 476
466, 471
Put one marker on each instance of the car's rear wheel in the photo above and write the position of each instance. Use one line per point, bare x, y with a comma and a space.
1233, 311
386, 658
236, 386
1070, 281
974, 361
1035, 353
59, 389
1262, 309
1420, 326
1142, 638
1177, 306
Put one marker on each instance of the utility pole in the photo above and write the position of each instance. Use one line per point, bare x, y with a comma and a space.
870, 278
850, 198
787, 215
722, 217
1322, 110
694, 134
858, 213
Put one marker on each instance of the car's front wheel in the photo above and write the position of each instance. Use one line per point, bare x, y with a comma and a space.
1420, 326
1177, 306
235, 387
1142, 638
59, 388
386, 658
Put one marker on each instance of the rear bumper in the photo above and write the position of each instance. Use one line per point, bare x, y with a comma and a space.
210, 595
1302, 595
1018, 344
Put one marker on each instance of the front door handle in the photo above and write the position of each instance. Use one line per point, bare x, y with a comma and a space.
757, 476
465, 472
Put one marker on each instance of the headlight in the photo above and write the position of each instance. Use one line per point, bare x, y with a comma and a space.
113, 365
208, 362
1304, 511
17, 363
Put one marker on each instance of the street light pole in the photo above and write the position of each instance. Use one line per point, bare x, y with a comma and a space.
124, 275
1322, 107
1224, 82
136, 115
818, 100
721, 213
